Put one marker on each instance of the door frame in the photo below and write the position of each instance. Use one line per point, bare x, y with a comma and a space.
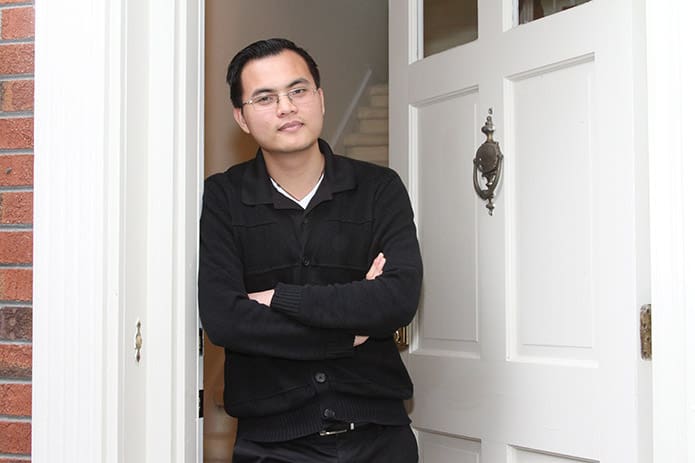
100, 64
81, 341
670, 101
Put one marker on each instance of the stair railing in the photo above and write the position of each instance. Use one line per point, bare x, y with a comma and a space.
350, 109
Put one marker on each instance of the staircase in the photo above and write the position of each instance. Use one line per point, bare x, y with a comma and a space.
370, 141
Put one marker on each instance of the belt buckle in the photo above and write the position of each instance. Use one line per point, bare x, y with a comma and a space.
332, 432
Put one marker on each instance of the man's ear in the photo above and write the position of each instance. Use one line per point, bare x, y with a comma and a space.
239, 117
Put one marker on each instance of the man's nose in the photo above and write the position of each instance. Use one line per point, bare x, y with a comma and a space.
285, 104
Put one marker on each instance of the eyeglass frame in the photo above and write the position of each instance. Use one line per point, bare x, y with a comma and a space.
288, 94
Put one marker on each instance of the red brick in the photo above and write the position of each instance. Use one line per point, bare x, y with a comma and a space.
15, 324
7, 2
17, 133
15, 399
17, 170
18, 23
12, 460
16, 437
17, 95
15, 362
16, 247
16, 207
17, 58
16, 284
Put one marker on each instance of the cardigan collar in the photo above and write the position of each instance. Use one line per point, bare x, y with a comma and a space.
256, 188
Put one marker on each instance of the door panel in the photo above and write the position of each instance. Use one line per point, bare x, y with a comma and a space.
551, 213
451, 235
525, 346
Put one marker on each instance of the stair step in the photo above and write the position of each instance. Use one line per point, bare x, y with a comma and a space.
374, 126
367, 112
366, 139
379, 101
374, 154
379, 89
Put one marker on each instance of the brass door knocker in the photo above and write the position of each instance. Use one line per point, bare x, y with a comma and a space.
488, 161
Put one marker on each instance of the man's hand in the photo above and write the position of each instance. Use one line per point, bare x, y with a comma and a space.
375, 270
263, 297
377, 267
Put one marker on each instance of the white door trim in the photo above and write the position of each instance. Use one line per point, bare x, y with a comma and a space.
76, 381
81, 340
671, 99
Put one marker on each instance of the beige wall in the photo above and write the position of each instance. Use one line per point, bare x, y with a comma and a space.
346, 37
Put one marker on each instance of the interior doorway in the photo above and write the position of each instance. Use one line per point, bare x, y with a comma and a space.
349, 40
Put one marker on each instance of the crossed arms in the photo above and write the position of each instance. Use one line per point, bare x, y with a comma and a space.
377, 268
308, 322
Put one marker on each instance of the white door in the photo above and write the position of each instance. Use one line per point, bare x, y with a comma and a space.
526, 345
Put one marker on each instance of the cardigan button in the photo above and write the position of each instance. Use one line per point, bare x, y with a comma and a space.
306, 262
320, 377
328, 413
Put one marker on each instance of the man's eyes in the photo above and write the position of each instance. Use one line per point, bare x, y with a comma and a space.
265, 99
272, 98
297, 92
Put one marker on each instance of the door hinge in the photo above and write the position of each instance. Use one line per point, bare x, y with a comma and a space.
645, 331
201, 402
200, 342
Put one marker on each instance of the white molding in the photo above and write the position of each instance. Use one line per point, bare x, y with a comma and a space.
75, 274
112, 431
186, 202
671, 102
102, 70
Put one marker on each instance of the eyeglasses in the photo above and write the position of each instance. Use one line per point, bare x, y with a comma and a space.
297, 96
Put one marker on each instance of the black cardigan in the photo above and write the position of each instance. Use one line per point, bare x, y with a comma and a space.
291, 368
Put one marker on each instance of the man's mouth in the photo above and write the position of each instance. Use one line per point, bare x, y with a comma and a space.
291, 126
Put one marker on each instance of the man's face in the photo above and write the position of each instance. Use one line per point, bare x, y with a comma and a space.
285, 127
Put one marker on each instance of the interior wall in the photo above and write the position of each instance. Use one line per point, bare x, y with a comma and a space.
345, 37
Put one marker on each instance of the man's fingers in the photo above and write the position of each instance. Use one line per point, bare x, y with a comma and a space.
263, 297
359, 340
377, 267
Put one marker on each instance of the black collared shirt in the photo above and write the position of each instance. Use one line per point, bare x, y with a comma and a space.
291, 368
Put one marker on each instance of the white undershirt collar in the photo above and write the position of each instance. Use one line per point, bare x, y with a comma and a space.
304, 202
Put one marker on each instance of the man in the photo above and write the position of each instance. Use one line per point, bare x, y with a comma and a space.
309, 262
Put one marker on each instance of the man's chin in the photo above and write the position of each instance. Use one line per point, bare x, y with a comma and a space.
293, 148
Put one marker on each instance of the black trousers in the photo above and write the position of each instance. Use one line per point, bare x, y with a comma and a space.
369, 444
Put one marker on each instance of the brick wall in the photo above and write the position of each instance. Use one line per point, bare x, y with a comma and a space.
16, 212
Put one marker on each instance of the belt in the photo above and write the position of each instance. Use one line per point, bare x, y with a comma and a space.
340, 428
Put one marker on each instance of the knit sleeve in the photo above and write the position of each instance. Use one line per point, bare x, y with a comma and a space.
368, 307
229, 317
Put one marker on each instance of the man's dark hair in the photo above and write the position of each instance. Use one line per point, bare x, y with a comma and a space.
258, 50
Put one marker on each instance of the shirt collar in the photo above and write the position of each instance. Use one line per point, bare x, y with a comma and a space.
339, 175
